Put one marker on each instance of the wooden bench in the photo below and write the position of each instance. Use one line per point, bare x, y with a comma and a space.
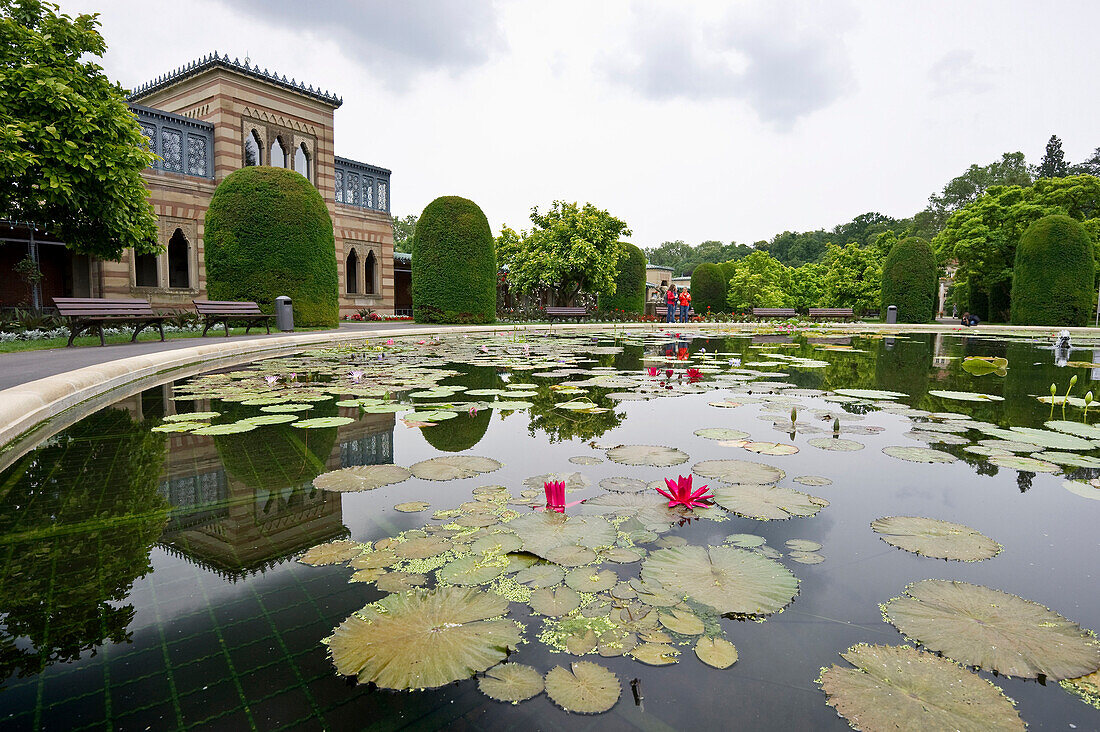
85, 313
819, 313
774, 313
222, 311
662, 311
565, 312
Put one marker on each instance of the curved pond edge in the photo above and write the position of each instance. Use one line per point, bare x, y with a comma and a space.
37, 410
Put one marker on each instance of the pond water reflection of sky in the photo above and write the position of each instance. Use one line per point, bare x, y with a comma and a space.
150, 580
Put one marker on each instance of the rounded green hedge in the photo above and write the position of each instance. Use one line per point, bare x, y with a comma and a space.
909, 280
268, 233
454, 264
629, 284
708, 289
1052, 281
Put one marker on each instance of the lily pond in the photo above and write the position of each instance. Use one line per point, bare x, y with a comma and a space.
887, 531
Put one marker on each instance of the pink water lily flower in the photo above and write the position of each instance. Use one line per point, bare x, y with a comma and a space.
694, 374
555, 497
652, 370
356, 375
680, 493
271, 380
389, 342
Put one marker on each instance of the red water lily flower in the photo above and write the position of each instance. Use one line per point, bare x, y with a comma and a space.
679, 492
555, 495
652, 370
694, 374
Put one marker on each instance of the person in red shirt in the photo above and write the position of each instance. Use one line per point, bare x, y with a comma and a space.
671, 301
685, 304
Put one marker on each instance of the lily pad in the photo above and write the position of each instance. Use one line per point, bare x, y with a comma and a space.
901, 688
422, 547
539, 576
589, 579
233, 428
803, 545
585, 687
716, 652
1019, 462
738, 471
1085, 489
623, 485
425, 638
993, 630
511, 682
870, 393
935, 538
652, 455
805, 557
470, 571
361, 478
683, 622
727, 579
571, 555
317, 423
767, 502
1088, 431
721, 433
812, 480
965, 396
836, 444
554, 602
748, 541
770, 448
542, 531
919, 454
333, 552
399, 581
412, 506
655, 654
454, 467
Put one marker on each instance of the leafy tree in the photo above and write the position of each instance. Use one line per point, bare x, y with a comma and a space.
863, 229
669, 254
807, 286
403, 231
684, 258
853, 277
1011, 170
570, 248
1090, 166
1054, 160
982, 236
71, 152
909, 280
1052, 282
795, 248
758, 281
708, 288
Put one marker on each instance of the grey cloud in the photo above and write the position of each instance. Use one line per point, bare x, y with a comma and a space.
959, 72
394, 40
784, 70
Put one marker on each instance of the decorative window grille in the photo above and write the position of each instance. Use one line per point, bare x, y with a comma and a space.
339, 186
196, 155
171, 150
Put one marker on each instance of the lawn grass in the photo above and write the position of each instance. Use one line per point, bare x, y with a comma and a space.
145, 335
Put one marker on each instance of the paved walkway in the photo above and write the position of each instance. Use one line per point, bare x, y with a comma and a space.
23, 366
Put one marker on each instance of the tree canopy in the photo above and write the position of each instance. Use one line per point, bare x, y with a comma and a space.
403, 231
758, 281
570, 248
71, 152
1054, 160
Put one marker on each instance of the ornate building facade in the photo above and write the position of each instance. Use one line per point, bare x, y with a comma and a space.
204, 121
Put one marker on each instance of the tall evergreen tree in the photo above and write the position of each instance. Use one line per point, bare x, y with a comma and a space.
1054, 160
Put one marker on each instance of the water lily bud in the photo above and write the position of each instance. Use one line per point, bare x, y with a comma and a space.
1053, 389
1072, 380
1088, 397
794, 414
836, 425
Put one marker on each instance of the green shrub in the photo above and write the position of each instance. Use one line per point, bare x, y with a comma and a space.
268, 233
454, 264
708, 289
909, 280
1052, 281
629, 284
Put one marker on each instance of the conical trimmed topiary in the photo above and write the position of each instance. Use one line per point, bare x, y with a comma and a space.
629, 285
909, 280
1054, 275
454, 264
268, 233
708, 289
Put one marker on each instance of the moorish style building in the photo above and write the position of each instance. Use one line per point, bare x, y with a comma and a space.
204, 121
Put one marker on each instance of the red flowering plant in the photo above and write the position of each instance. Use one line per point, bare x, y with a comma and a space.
679, 493
555, 497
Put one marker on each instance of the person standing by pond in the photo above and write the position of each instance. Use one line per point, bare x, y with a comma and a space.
670, 301
685, 304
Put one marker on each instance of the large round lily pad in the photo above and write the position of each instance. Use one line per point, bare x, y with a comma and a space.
471, 570
993, 630
716, 652
332, 552
919, 454
585, 687
554, 601
738, 471
510, 682
727, 579
870, 393
653, 455
767, 502
935, 538
361, 478
424, 638
453, 467
965, 396
901, 688
542, 531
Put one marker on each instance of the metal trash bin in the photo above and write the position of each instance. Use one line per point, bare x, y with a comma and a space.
284, 313
892, 314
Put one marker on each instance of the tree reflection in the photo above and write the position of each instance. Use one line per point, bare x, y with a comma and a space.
465, 430
78, 518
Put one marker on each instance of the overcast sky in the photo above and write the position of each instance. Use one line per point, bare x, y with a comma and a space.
689, 120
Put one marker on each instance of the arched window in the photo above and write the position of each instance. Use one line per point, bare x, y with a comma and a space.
145, 270
301, 160
179, 274
351, 269
277, 156
368, 284
252, 149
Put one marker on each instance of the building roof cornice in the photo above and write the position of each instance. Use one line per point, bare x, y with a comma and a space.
214, 60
